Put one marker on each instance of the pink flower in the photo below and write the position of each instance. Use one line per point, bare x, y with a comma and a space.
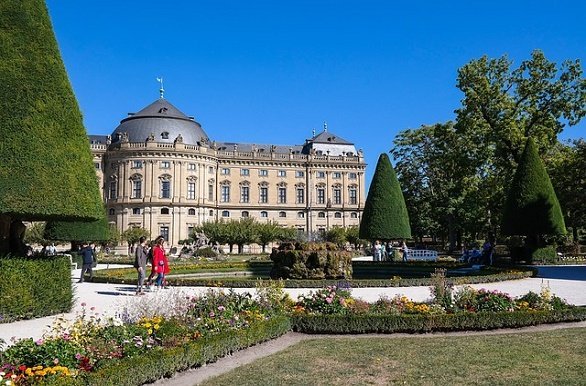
56, 361
329, 300
83, 304
93, 309
212, 314
39, 342
221, 308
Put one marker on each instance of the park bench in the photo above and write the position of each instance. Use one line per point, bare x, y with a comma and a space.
421, 255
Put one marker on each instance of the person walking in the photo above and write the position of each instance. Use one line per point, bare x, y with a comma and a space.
404, 250
160, 262
88, 259
140, 260
377, 251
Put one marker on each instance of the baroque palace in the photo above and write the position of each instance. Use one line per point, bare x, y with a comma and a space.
159, 170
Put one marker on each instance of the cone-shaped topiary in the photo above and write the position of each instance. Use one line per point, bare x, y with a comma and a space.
385, 214
78, 230
46, 168
532, 207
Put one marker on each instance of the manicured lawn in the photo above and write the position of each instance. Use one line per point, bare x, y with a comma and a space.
554, 357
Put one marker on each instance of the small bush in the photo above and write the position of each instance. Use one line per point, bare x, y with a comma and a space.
318, 261
544, 255
205, 252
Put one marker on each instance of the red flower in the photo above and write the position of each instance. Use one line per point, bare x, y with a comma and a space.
22, 367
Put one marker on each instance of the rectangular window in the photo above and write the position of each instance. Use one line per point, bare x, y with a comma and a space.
225, 171
263, 172
137, 164
165, 189
299, 174
211, 192
164, 231
211, 170
137, 189
282, 173
97, 165
191, 166
112, 193
337, 175
337, 196
190, 229
321, 174
244, 172
135, 210
191, 190
300, 195
165, 165
282, 195
352, 198
225, 193
321, 196
244, 194
264, 194
352, 176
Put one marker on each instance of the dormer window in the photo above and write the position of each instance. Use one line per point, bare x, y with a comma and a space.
163, 110
165, 135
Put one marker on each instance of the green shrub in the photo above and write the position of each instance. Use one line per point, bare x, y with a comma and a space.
36, 287
311, 264
205, 252
419, 323
544, 255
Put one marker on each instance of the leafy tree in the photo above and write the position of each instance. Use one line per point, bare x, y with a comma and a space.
532, 208
385, 215
216, 231
503, 106
568, 175
44, 149
267, 233
287, 234
242, 232
35, 234
442, 181
352, 235
133, 234
336, 235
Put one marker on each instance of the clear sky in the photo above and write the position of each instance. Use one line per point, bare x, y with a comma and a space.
271, 71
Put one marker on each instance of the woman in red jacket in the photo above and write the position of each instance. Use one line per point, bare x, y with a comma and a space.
160, 261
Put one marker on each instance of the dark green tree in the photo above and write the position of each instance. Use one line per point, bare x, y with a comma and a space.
46, 168
268, 232
385, 215
532, 208
336, 235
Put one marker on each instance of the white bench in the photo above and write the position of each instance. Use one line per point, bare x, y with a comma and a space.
421, 255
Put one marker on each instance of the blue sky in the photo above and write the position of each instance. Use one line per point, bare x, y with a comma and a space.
271, 71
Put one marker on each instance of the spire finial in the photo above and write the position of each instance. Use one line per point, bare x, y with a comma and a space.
313, 132
161, 89
325, 126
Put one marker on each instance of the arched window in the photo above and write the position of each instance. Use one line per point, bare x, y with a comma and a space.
353, 215
191, 212
211, 212
264, 214
245, 213
300, 215
136, 185
282, 214
337, 215
321, 215
112, 212
165, 186
225, 213
164, 210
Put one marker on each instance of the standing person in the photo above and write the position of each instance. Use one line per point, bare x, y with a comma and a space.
389, 249
87, 255
377, 251
404, 250
140, 259
51, 250
487, 250
160, 262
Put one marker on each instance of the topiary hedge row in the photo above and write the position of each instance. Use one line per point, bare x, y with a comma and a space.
35, 287
386, 324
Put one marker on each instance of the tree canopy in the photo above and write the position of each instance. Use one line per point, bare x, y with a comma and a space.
385, 215
532, 208
44, 148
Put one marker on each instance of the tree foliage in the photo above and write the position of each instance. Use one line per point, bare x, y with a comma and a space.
96, 231
385, 215
133, 234
44, 148
532, 208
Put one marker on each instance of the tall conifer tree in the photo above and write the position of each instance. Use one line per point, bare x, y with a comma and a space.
532, 208
385, 214
46, 168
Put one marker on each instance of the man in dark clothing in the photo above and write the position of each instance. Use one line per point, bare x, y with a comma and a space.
87, 254
140, 260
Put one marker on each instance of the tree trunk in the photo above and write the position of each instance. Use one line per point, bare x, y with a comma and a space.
451, 234
240, 249
264, 248
12, 236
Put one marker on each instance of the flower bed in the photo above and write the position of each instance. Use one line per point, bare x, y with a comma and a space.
151, 338
333, 310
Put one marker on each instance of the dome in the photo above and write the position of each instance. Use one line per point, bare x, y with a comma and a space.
163, 121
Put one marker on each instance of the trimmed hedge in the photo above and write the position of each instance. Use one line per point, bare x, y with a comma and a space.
311, 264
33, 288
374, 323
164, 362
119, 276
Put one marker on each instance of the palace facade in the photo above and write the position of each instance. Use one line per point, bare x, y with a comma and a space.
159, 170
